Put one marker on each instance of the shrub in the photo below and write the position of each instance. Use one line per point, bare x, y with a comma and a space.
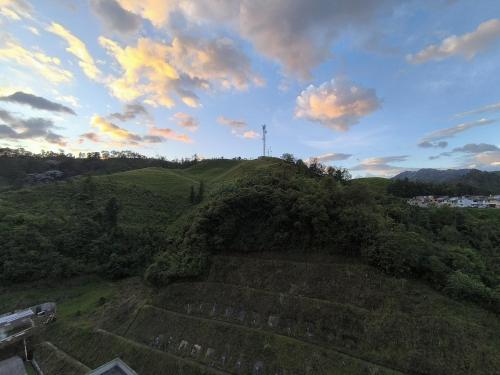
463, 286
173, 265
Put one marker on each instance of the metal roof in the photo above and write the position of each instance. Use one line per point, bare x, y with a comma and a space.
15, 316
114, 367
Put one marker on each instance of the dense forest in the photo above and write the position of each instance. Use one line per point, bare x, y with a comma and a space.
165, 224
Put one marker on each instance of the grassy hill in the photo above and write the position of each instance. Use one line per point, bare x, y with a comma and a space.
149, 196
377, 184
282, 314
420, 301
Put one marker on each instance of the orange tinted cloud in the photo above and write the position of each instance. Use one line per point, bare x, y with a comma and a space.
336, 104
45, 66
113, 130
467, 45
78, 49
186, 121
162, 73
170, 134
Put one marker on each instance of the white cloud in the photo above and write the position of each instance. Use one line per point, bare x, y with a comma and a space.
16, 9
33, 30
250, 134
70, 99
125, 137
467, 45
78, 49
331, 156
337, 104
238, 128
36, 61
297, 34
450, 132
488, 160
159, 72
482, 155
487, 108
381, 166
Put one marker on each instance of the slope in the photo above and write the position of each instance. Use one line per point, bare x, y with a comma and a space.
264, 314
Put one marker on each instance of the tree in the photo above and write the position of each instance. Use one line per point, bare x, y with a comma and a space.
111, 212
289, 158
192, 196
201, 191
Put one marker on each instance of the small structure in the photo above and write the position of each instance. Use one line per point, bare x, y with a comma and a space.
15, 325
114, 367
18, 325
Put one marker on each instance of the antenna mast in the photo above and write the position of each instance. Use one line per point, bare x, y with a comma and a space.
264, 132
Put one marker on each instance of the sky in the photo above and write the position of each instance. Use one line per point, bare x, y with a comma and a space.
378, 87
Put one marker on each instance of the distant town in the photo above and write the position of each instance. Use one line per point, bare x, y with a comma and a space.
469, 201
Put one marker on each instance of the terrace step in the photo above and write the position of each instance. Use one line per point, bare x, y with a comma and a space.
311, 320
239, 349
96, 347
52, 361
355, 284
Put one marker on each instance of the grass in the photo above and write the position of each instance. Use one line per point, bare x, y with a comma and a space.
350, 306
149, 197
377, 184
401, 324
74, 298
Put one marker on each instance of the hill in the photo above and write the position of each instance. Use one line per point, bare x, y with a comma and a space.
445, 182
280, 314
81, 224
377, 184
251, 267
19, 167
436, 176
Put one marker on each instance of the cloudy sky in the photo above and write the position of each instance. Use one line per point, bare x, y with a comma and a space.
374, 86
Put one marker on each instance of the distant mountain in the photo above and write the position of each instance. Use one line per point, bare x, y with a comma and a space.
472, 180
436, 176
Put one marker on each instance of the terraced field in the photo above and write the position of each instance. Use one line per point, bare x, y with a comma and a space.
264, 315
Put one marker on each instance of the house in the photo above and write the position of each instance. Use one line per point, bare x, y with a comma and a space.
15, 325
19, 324
114, 367
464, 202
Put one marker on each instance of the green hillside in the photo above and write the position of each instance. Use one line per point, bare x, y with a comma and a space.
378, 184
303, 315
251, 267
65, 223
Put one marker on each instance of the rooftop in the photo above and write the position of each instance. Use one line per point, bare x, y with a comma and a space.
114, 367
